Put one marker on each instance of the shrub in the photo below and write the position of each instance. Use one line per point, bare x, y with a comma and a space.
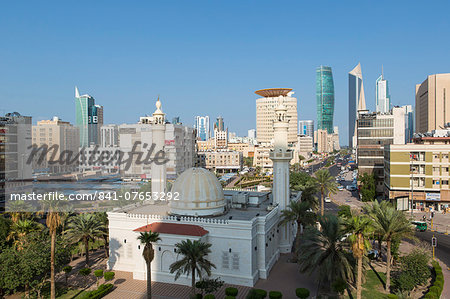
67, 269
85, 271
253, 294
230, 291
261, 293
275, 295
98, 273
392, 296
109, 275
100, 292
302, 293
430, 296
339, 286
230, 297
209, 285
209, 296
404, 282
435, 290
414, 271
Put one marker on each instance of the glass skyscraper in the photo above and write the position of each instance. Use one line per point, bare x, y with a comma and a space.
203, 128
383, 100
325, 98
89, 119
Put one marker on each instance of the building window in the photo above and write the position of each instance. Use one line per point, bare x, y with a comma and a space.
225, 260
445, 182
235, 262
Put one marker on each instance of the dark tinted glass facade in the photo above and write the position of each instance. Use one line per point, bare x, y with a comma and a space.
325, 98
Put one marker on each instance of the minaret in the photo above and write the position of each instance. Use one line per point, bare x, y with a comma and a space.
281, 157
158, 172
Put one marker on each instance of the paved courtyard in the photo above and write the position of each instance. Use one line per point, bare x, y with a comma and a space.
284, 277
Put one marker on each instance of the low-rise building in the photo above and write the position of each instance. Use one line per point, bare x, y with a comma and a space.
418, 173
223, 161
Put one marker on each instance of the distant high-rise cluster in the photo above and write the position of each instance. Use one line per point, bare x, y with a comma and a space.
325, 98
89, 119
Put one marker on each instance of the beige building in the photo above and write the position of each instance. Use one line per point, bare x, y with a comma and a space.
265, 113
223, 161
419, 170
304, 146
220, 138
432, 103
62, 134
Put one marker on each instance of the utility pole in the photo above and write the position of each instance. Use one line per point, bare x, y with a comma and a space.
411, 159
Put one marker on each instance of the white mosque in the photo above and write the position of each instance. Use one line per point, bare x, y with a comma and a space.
242, 226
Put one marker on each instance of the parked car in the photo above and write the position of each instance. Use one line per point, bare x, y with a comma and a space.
327, 199
340, 187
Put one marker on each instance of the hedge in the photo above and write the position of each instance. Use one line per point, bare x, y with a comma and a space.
261, 293
430, 296
209, 296
98, 293
275, 295
302, 293
231, 291
230, 297
392, 296
109, 275
436, 289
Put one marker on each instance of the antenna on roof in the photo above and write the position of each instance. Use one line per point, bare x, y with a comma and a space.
382, 77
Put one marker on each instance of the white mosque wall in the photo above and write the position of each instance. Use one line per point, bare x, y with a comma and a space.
243, 251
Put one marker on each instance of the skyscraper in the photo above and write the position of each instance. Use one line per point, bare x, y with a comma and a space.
219, 125
325, 98
382, 97
356, 101
89, 118
265, 113
306, 127
203, 128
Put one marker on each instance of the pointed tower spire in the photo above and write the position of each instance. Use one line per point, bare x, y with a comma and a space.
158, 115
77, 93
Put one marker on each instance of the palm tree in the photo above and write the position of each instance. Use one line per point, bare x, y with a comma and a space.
84, 227
390, 223
147, 239
325, 251
326, 184
103, 218
359, 227
301, 213
193, 260
20, 229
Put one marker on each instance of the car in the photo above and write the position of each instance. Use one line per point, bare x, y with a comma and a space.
340, 187
327, 199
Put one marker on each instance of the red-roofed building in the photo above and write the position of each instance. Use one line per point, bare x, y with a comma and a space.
174, 229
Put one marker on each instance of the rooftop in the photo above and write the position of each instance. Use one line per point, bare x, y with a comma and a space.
273, 92
173, 229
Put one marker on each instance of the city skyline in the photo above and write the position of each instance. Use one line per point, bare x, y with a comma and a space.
132, 60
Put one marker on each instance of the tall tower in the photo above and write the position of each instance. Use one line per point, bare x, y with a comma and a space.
325, 98
281, 157
158, 171
356, 102
383, 100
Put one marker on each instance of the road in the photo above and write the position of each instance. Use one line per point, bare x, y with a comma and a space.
345, 197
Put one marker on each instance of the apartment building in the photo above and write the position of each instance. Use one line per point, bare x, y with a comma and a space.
417, 173
223, 161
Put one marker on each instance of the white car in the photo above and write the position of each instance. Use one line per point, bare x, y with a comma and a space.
340, 188
327, 199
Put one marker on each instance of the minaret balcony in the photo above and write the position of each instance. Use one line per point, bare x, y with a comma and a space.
281, 154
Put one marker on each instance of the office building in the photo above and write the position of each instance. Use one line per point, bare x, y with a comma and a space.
356, 102
374, 132
251, 134
223, 161
304, 146
325, 98
432, 103
98, 159
409, 122
417, 173
220, 139
219, 124
176, 120
382, 97
202, 127
265, 114
89, 118
109, 135
67, 140
306, 127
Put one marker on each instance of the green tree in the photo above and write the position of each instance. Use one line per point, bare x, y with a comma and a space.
368, 188
147, 239
359, 227
248, 161
53, 221
344, 211
102, 217
326, 184
390, 223
84, 228
413, 271
325, 251
20, 229
193, 260
5, 226
301, 213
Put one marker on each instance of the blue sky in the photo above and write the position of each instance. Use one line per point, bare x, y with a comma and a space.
208, 57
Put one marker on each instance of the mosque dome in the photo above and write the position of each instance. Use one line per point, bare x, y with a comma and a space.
199, 194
